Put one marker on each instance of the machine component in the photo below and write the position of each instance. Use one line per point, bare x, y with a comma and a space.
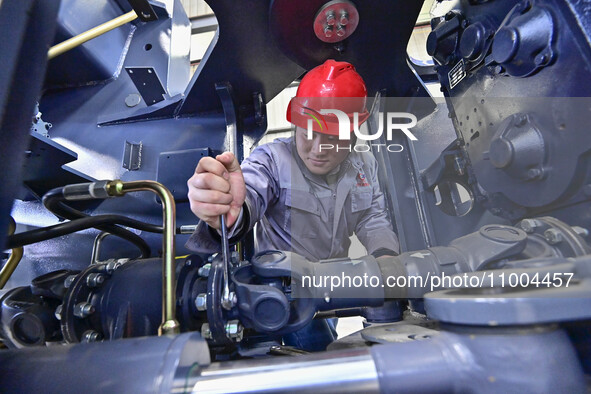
524, 43
138, 365
132, 156
434, 360
147, 83
335, 21
39, 126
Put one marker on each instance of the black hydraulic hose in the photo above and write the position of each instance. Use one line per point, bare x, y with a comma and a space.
57, 230
52, 200
58, 207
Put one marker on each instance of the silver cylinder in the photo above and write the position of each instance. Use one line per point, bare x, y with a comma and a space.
350, 371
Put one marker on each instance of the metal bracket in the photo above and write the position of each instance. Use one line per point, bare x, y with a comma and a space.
144, 10
147, 83
132, 158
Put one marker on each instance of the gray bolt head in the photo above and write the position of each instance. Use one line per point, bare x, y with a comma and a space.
328, 31
201, 302
205, 331
234, 330
69, 280
58, 312
83, 309
341, 31
95, 279
90, 336
553, 236
529, 225
204, 271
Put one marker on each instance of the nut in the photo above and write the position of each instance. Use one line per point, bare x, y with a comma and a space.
83, 309
95, 280
328, 31
205, 331
341, 31
553, 236
58, 312
69, 280
201, 302
529, 225
234, 330
204, 270
91, 336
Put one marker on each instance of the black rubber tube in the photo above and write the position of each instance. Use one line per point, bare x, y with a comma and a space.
57, 230
52, 200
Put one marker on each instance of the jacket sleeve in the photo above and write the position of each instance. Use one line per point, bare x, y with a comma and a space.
262, 188
374, 229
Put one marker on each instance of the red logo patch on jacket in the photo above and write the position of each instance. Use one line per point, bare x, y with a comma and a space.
361, 180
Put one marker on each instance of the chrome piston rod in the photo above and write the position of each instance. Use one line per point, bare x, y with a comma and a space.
347, 371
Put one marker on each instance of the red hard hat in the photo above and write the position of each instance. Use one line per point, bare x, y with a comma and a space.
332, 85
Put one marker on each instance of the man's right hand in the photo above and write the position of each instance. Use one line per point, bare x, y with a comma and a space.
217, 188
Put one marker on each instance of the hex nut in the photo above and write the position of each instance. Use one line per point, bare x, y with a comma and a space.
553, 236
204, 270
91, 336
95, 280
205, 331
83, 309
529, 225
201, 302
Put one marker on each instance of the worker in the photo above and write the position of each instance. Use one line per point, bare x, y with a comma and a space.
308, 193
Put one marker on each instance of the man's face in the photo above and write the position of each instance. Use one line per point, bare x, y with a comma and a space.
323, 152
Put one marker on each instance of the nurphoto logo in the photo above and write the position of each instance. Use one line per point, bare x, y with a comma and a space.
395, 121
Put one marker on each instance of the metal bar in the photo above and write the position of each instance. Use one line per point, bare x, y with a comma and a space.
351, 371
169, 324
13, 260
81, 38
203, 24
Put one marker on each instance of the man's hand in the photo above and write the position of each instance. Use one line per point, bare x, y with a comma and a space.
217, 188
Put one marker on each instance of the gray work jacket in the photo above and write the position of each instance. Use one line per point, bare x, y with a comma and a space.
304, 213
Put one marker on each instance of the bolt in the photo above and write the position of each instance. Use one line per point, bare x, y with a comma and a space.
529, 225
112, 265
582, 232
205, 331
90, 336
328, 31
69, 280
204, 270
520, 120
83, 309
201, 302
534, 173
210, 258
553, 236
499, 70
58, 312
234, 330
330, 18
95, 280
341, 31
344, 18
540, 59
